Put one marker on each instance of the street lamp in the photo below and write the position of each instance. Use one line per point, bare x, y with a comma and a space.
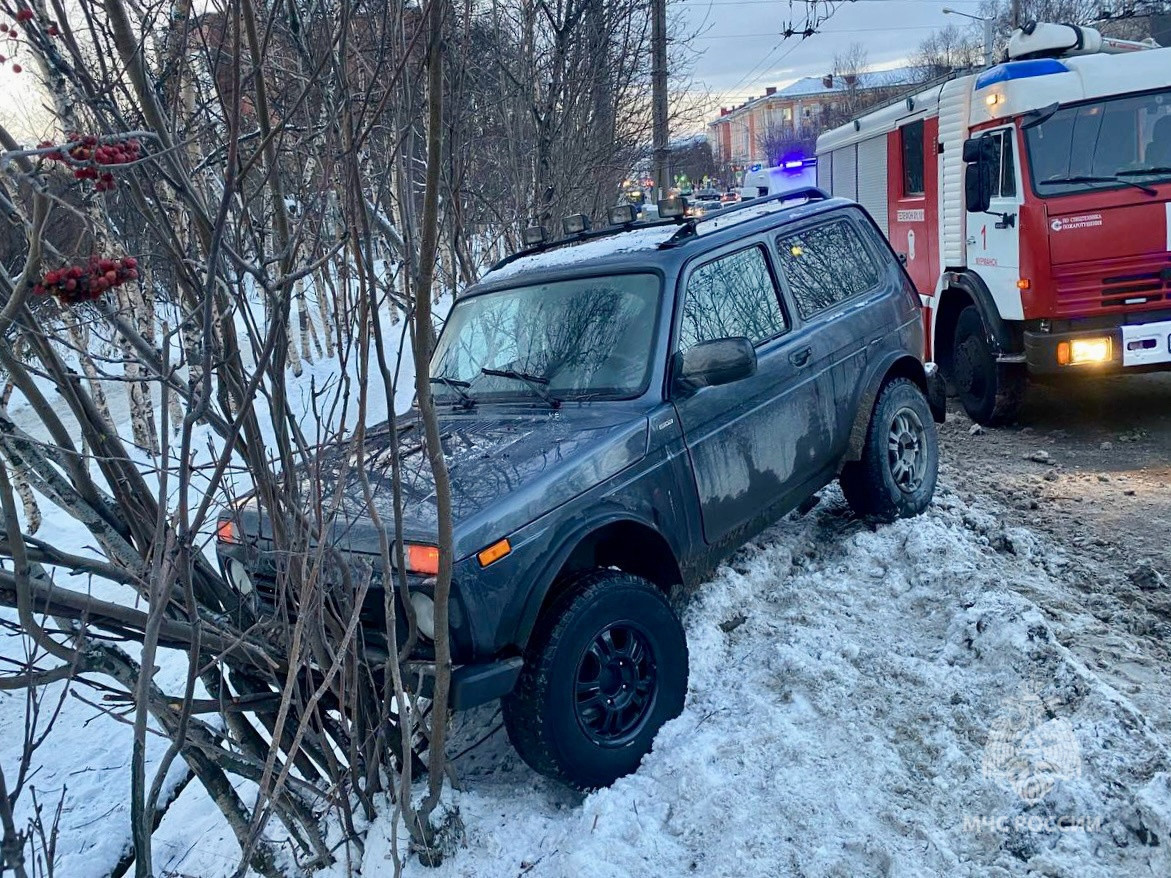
988, 33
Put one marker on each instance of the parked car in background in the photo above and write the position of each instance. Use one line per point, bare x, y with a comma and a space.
621, 410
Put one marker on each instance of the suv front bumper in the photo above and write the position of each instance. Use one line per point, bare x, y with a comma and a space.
471, 685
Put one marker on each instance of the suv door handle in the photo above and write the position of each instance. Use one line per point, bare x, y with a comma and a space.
801, 357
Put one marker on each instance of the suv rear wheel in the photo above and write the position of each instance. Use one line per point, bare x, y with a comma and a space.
990, 392
895, 477
604, 669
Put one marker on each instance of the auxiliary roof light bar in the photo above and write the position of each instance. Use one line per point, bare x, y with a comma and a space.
622, 215
672, 207
672, 212
575, 224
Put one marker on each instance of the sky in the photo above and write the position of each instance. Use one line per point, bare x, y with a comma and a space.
738, 47
740, 50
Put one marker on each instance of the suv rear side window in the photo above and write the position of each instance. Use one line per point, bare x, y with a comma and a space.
826, 264
732, 296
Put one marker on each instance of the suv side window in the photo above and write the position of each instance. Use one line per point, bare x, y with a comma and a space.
732, 296
826, 264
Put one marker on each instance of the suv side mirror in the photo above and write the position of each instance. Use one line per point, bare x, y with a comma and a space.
715, 362
980, 154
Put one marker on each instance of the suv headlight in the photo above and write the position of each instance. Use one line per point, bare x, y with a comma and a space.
424, 614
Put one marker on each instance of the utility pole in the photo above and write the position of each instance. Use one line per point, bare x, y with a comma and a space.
989, 32
659, 94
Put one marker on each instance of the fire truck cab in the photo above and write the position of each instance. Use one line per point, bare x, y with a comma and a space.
1031, 202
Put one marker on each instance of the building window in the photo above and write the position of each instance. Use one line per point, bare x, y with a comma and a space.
912, 149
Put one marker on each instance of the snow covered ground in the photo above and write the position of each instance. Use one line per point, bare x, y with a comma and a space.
845, 685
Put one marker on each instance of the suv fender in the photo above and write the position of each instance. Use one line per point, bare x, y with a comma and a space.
564, 545
894, 365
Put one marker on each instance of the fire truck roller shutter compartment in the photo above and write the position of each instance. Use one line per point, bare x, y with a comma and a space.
846, 172
872, 183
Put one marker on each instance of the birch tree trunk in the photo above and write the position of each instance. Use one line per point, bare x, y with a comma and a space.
28, 500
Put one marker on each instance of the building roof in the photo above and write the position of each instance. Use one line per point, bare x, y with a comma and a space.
809, 86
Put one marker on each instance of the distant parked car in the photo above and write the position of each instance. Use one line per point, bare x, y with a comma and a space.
621, 410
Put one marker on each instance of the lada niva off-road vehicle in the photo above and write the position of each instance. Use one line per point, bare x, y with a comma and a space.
621, 410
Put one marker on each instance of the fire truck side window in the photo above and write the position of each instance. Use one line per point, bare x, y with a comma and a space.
826, 264
912, 148
1007, 186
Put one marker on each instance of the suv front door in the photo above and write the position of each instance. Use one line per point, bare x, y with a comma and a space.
757, 444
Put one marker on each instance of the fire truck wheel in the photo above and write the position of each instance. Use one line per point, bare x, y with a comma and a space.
990, 392
895, 477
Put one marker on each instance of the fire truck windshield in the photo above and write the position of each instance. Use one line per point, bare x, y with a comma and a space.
1105, 143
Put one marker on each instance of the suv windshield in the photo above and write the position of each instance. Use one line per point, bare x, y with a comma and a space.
571, 339
1109, 142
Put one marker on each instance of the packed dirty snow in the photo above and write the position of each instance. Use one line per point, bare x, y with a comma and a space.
842, 724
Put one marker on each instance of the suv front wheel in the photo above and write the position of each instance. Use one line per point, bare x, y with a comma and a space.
895, 477
604, 669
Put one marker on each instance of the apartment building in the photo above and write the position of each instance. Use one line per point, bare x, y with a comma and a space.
802, 109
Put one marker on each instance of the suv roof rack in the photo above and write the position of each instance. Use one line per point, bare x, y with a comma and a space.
686, 225
809, 193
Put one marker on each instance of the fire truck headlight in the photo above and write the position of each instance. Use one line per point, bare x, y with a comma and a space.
1084, 351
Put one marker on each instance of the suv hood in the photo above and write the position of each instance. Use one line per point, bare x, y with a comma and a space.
506, 470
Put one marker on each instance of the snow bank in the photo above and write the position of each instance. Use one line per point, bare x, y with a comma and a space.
845, 685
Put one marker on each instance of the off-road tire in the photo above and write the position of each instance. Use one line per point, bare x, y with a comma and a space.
542, 715
881, 484
990, 392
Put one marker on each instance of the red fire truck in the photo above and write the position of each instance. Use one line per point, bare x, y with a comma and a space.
1032, 204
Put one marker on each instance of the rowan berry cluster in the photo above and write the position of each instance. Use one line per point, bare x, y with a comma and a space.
74, 284
10, 33
87, 156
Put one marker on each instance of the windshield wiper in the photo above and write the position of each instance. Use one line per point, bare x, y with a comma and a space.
458, 386
1140, 172
1090, 179
1033, 118
534, 382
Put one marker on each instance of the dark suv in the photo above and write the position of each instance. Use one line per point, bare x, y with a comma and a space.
620, 411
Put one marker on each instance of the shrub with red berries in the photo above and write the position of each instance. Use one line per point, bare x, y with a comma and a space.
24, 20
75, 284
88, 155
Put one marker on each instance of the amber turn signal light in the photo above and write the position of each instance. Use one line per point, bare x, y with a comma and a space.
494, 552
423, 559
225, 531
